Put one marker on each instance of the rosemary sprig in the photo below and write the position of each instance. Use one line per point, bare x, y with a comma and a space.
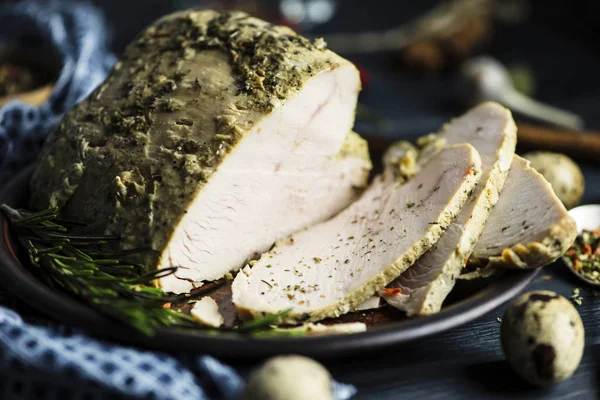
77, 264
264, 322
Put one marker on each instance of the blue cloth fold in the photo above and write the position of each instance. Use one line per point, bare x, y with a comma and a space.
41, 359
79, 364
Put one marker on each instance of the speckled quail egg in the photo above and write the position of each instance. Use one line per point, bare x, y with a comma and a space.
289, 378
542, 337
564, 175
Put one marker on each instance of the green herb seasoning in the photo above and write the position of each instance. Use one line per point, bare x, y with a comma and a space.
584, 255
576, 297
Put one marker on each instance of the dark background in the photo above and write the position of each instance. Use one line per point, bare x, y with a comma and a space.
560, 44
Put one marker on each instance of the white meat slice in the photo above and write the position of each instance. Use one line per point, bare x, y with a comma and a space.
322, 329
330, 268
424, 286
243, 211
370, 304
206, 312
528, 228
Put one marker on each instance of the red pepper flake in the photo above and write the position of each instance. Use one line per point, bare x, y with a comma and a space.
392, 291
470, 171
583, 256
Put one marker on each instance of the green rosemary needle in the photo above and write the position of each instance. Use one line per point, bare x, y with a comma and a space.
77, 264
264, 322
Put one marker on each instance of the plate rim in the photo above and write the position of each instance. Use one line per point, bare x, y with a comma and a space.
65, 309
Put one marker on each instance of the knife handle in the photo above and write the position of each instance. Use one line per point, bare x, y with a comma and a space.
577, 144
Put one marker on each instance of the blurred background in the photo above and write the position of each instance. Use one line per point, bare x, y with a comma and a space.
550, 47
425, 61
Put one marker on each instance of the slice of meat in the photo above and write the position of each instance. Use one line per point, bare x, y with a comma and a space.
370, 303
313, 329
424, 286
214, 136
330, 268
206, 312
241, 213
528, 228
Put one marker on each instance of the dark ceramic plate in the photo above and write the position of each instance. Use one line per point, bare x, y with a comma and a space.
386, 326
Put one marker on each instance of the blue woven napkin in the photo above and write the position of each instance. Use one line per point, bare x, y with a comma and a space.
40, 359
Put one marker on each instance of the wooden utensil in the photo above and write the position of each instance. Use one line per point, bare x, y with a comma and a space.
582, 145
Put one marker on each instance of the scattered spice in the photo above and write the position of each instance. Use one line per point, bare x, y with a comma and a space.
266, 283
410, 205
576, 298
583, 256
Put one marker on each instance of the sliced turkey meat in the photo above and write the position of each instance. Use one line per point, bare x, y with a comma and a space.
206, 312
215, 135
528, 228
331, 268
371, 303
424, 286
